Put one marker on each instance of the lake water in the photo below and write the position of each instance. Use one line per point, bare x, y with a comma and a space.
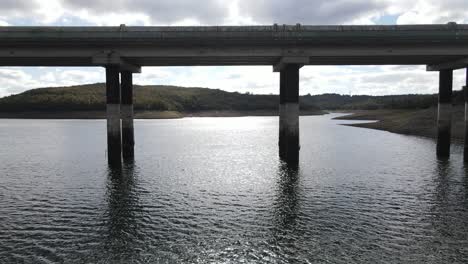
212, 190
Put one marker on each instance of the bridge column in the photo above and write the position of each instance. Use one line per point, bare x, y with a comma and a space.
465, 91
444, 115
114, 146
289, 114
128, 140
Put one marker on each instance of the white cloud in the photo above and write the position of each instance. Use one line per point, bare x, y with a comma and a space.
314, 80
111, 19
427, 12
239, 12
155, 75
18, 79
73, 77
14, 81
354, 12
161, 11
311, 12
242, 79
376, 80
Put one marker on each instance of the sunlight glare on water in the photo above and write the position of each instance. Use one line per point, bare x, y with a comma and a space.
205, 190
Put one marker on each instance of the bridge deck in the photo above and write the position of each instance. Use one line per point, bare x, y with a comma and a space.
234, 45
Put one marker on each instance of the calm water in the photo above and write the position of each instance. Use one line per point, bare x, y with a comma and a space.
211, 190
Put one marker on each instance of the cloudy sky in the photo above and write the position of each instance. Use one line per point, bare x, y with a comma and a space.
375, 80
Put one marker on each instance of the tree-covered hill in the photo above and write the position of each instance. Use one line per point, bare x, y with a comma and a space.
160, 98
91, 97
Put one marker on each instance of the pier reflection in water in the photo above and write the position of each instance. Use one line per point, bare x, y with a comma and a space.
285, 213
213, 190
122, 214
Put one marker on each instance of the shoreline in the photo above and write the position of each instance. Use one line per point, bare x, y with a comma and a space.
419, 122
146, 114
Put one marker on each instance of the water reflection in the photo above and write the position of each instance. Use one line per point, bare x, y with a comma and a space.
450, 185
286, 204
123, 206
286, 209
442, 188
449, 193
441, 206
195, 196
465, 184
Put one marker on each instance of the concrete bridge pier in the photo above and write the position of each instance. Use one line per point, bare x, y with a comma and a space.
465, 92
444, 115
114, 145
128, 140
289, 114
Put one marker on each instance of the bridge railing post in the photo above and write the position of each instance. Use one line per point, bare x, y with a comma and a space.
114, 146
289, 114
444, 114
128, 140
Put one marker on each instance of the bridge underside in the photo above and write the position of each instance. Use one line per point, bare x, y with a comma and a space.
228, 61
156, 56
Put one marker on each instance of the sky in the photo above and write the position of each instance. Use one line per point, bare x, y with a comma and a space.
371, 80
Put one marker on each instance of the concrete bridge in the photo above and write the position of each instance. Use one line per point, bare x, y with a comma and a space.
124, 50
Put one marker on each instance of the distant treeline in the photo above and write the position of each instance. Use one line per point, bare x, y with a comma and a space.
366, 102
172, 98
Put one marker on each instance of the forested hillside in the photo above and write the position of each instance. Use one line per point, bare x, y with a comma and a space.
91, 97
161, 98
366, 102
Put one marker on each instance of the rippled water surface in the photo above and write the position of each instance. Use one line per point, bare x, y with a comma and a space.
212, 190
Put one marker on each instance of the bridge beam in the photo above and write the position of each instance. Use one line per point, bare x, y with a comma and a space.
444, 115
128, 140
112, 58
449, 65
284, 61
289, 114
114, 145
